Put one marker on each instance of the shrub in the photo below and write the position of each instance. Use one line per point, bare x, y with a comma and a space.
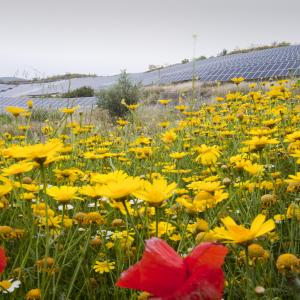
110, 99
202, 57
84, 91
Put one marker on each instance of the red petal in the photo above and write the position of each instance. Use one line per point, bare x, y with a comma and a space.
3, 260
206, 283
206, 254
160, 271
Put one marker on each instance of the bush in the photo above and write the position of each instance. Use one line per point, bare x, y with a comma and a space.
84, 91
110, 99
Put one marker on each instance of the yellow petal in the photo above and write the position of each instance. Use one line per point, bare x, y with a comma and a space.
257, 223
228, 221
240, 234
266, 227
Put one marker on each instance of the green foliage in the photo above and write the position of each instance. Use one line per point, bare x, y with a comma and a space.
84, 91
5, 119
111, 98
185, 61
66, 76
202, 57
41, 115
264, 47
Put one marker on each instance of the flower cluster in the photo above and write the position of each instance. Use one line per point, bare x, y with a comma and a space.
78, 203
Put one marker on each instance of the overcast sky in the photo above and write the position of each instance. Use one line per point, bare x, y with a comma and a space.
46, 37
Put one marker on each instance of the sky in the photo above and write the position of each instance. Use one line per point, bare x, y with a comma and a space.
40, 38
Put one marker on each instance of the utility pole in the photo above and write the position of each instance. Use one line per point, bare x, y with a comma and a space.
194, 65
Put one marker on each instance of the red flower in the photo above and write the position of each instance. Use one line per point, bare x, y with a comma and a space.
164, 274
3, 260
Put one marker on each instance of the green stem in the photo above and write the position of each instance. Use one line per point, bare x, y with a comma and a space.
132, 221
79, 264
156, 221
43, 175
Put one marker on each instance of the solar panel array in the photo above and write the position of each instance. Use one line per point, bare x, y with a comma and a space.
48, 103
263, 64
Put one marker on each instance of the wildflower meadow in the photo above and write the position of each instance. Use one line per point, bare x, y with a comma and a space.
204, 204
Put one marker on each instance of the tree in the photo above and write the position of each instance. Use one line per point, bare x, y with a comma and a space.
223, 52
110, 99
84, 91
202, 57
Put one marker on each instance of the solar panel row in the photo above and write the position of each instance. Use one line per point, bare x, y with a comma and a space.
48, 103
276, 62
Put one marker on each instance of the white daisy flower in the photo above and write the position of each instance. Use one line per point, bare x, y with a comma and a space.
8, 286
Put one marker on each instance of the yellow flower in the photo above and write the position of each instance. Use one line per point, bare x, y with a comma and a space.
71, 174
40, 153
219, 99
120, 189
164, 101
47, 129
163, 228
293, 137
204, 200
53, 222
254, 169
17, 169
130, 106
237, 80
206, 237
109, 177
206, 186
258, 143
178, 155
164, 124
123, 238
141, 152
15, 111
91, 191
288, 263
29, 104
239, 234
207, 155
69, 111
34, 294
133, 106
122, 123
169, 137
63, 193
181, 107
5, 189
255, 250
294, 182
104, 266
293, 211
94, 217
156, 192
